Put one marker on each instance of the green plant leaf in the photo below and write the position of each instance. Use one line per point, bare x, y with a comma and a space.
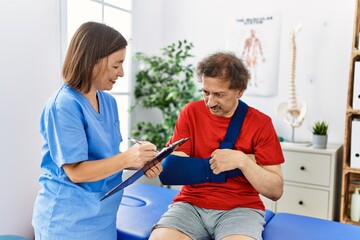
320, 128
165, 82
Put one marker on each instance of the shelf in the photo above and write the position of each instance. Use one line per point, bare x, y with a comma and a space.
353, 111
351, 181
355, 53
348, 169
350, 176
348, 220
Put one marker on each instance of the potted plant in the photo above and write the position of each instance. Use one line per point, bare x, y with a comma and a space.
164, 82
319, 130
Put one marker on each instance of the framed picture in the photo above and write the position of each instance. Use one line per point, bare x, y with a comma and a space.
256, 41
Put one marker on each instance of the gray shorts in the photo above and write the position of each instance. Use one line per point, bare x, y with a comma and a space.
204, 224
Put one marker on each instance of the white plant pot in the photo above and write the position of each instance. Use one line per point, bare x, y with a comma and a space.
319, 141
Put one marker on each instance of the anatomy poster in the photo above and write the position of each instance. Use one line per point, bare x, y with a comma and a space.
256, 40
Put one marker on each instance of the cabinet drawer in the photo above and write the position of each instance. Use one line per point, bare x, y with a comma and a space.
304, 201
307, 168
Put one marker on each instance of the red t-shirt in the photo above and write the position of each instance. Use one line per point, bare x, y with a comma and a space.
206, 131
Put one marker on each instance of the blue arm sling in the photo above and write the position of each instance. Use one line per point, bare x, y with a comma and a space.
189, 170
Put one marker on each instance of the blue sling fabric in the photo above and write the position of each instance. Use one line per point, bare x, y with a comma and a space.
189, 170
234, 126
233, 132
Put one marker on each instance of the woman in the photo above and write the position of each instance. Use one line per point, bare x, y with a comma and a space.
80, 127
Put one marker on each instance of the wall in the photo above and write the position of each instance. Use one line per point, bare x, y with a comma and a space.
147, 31
324, 45
29, 73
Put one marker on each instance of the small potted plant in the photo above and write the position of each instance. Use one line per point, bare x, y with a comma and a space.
319, 130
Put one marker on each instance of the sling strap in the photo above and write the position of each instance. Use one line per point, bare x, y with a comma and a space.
190, 170
233, 132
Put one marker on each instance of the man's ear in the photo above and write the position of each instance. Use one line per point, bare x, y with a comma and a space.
240, 93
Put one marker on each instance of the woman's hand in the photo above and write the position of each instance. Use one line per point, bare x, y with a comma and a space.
139, 154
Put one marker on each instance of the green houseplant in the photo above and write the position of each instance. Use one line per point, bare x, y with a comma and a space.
320, 131
164, 82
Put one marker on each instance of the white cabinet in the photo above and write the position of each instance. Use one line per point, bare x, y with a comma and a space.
311, 182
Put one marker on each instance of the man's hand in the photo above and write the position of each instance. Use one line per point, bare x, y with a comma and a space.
227, 159
154, 171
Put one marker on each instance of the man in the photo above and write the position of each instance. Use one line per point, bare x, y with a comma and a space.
233, 209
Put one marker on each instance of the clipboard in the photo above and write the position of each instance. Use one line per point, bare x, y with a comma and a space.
166, 151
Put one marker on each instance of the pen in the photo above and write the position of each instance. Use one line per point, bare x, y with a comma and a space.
134, 140
138, 142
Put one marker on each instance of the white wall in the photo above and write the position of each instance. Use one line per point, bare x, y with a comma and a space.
324, 45
147, 31
29, 73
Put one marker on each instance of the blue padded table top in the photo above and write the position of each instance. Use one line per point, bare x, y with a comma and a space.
268, 216
141, 207
285, 226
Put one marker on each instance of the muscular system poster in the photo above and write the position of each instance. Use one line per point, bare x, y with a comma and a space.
256, 40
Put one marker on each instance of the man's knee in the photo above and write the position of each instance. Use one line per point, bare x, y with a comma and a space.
167, 233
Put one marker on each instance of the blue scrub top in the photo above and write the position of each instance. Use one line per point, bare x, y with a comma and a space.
73, 132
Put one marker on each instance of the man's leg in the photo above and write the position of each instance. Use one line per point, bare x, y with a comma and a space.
238, 237
168, 233
240, 224
182, 221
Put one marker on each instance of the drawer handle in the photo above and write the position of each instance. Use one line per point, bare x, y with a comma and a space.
302, 168
301, 202
357, 155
